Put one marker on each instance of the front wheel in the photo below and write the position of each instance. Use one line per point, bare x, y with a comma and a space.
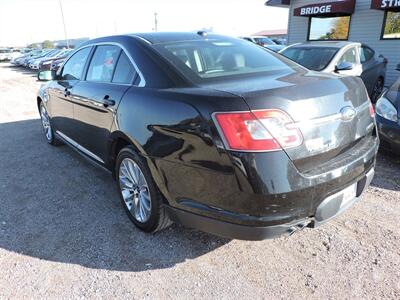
138, 192
46, 124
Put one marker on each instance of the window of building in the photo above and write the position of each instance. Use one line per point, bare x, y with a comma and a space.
332, 28
391, 25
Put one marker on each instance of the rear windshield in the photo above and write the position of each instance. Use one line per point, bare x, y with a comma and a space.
313, 58
212, 59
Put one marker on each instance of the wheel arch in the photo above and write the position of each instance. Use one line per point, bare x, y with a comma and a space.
38, 101
120, 140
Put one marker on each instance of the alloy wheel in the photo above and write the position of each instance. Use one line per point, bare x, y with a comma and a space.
46, 122
134, 190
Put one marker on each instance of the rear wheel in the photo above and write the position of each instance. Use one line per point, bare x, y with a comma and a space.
138, 192
377, 90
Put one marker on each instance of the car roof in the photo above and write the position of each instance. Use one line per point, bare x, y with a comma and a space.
168, 37
327, 44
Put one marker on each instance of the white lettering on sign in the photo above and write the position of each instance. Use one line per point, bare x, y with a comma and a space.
390, 3
320, 9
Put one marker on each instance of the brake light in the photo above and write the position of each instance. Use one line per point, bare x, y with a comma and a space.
371, 110
263, 130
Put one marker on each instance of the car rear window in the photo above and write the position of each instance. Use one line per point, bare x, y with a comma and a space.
211, 59
313, 58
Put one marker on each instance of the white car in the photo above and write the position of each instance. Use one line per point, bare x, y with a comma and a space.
5, 54
343, 58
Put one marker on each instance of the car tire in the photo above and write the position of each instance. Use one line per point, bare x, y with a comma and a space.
46, 126
138, 192
377, 90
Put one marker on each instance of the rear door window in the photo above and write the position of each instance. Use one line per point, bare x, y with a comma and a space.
366, 54
124, 71
103, 62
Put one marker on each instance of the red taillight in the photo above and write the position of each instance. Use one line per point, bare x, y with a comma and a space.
263, 130
371, 110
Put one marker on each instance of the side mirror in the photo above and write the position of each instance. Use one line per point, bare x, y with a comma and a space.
398, 67
344, 66
46, 75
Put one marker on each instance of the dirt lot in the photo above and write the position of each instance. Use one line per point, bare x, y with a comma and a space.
63, 233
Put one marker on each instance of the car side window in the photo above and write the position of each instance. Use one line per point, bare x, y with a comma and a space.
103, 62
366, 54
349, 56
73, 68
124, 71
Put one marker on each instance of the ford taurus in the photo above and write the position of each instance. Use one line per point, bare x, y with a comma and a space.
213, 132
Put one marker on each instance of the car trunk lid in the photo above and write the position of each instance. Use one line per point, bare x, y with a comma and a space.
333, 114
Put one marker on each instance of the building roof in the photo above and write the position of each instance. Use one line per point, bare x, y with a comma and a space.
278, 3
271, 32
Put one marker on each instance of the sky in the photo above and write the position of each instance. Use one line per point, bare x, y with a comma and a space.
29, 21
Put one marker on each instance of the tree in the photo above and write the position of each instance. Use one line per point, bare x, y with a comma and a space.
47, 44
340, 28
33, 45
392, 25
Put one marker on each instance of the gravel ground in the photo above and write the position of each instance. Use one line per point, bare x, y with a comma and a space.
63, 233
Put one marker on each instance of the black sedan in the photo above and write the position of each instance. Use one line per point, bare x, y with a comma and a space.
213, 132
388, 118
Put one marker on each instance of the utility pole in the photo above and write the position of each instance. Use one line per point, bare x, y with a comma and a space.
65, 28
155, 22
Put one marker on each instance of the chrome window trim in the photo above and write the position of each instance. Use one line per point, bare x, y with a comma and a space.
142, 82
79, 147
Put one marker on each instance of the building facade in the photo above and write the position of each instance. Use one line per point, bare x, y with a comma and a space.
373, 22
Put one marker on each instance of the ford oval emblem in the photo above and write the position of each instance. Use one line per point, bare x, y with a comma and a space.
348, 113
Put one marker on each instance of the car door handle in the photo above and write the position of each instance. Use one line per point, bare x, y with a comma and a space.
67, 92
107, 101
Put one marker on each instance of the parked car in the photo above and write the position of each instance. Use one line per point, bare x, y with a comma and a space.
56, 64
47, 53
264, 42
15, 53
35, 64
279, 41
345, 58
30, 58
388, 117
213, 132
45, 64
20, 60
5, 54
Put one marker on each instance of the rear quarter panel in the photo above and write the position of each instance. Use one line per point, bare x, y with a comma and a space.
174, 132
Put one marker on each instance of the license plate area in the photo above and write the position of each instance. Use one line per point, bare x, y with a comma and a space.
349, 194
336, 203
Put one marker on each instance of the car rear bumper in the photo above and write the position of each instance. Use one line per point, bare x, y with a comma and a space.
331, 207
